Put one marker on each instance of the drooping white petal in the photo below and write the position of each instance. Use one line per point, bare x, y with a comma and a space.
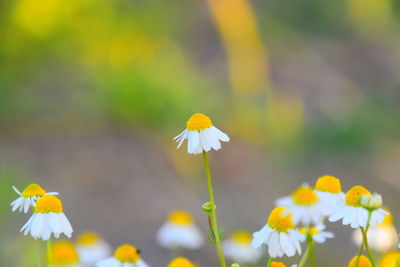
194, 141
37, 225
286, 244
261, 236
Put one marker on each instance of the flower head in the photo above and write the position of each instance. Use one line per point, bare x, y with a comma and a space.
316, 233
277, 264
181, 262
48, 218
201, 135
180, 231
304, 205
92, 248
361, 260
329, 191
125, 255
63, 253
390, 259
279, 234
238, 248
28, 197
352, 212
371, 202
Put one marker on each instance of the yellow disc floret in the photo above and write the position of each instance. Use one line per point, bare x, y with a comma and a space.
180, 262
33, 190
88, 238
304, 195
362, 262
390, 259
242, 237
198, 122
180, 217
329, 184
48, 203
63, 253
353, 195
127, 253
388, 219
277, 264
280, 220
312, 230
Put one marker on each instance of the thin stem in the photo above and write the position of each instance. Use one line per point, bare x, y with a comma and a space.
369, 253
213, 212
311, 244
305, 257
49, 251
269, 261
359, 253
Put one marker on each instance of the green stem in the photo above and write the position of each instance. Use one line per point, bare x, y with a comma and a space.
369, 253
359, 253
269, 261
305, 257
49, 251
311, 244
213, 212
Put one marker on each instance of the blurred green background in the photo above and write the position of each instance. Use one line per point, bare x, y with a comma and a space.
92, 92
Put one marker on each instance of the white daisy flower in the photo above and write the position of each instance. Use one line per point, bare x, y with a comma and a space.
279, 234
48, 218
180, 231
238, 248
91, 248
201, 135
124, 256
329, 191
63, 253
28, 197
353, 213
382, 237
304, 205
181, 262
316, 233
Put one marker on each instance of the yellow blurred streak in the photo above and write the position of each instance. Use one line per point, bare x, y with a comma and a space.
370, 16
248, 66
39, 18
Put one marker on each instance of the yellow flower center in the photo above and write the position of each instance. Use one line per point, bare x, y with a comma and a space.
311, 230
127, 253
198, 122
329, 184
241, 237
388, 219
362, 262
88, 238
279, 221
304, 195
277, 264
353, 195
33, 190
390, 259
48, 203
63, 253
180, 217
180, 262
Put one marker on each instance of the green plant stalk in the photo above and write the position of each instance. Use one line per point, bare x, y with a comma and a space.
305, 257
359, 254
215, 228
49, 251
269, 261
369, 253
311, 245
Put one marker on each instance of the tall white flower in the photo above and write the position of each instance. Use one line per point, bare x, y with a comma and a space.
279, 234
63, 254
124, 256
201, 135
92, 247
28, 197
238, 248
317, 233
47, 219
329, 191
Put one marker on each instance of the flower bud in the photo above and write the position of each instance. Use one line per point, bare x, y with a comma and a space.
208, 207
371, 202
235, 265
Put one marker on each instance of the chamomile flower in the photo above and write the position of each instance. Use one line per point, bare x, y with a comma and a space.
48, 218
381, 237
238, 248
28, 197
279, 234
180, 231
92, 248
63, 253
329, 191
201, 135
124, 256
317, 233
390, 259
304, 205
353, 213
362, 261
181, 262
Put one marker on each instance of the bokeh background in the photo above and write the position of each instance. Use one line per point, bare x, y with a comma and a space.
92, 92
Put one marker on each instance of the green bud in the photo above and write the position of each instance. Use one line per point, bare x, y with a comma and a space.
235, 265
208, 207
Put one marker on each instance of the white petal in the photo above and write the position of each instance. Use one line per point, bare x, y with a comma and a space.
194, 141
205, 140
17, 191
180, 135
261, 236
37, 225
286, 244
221, 135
